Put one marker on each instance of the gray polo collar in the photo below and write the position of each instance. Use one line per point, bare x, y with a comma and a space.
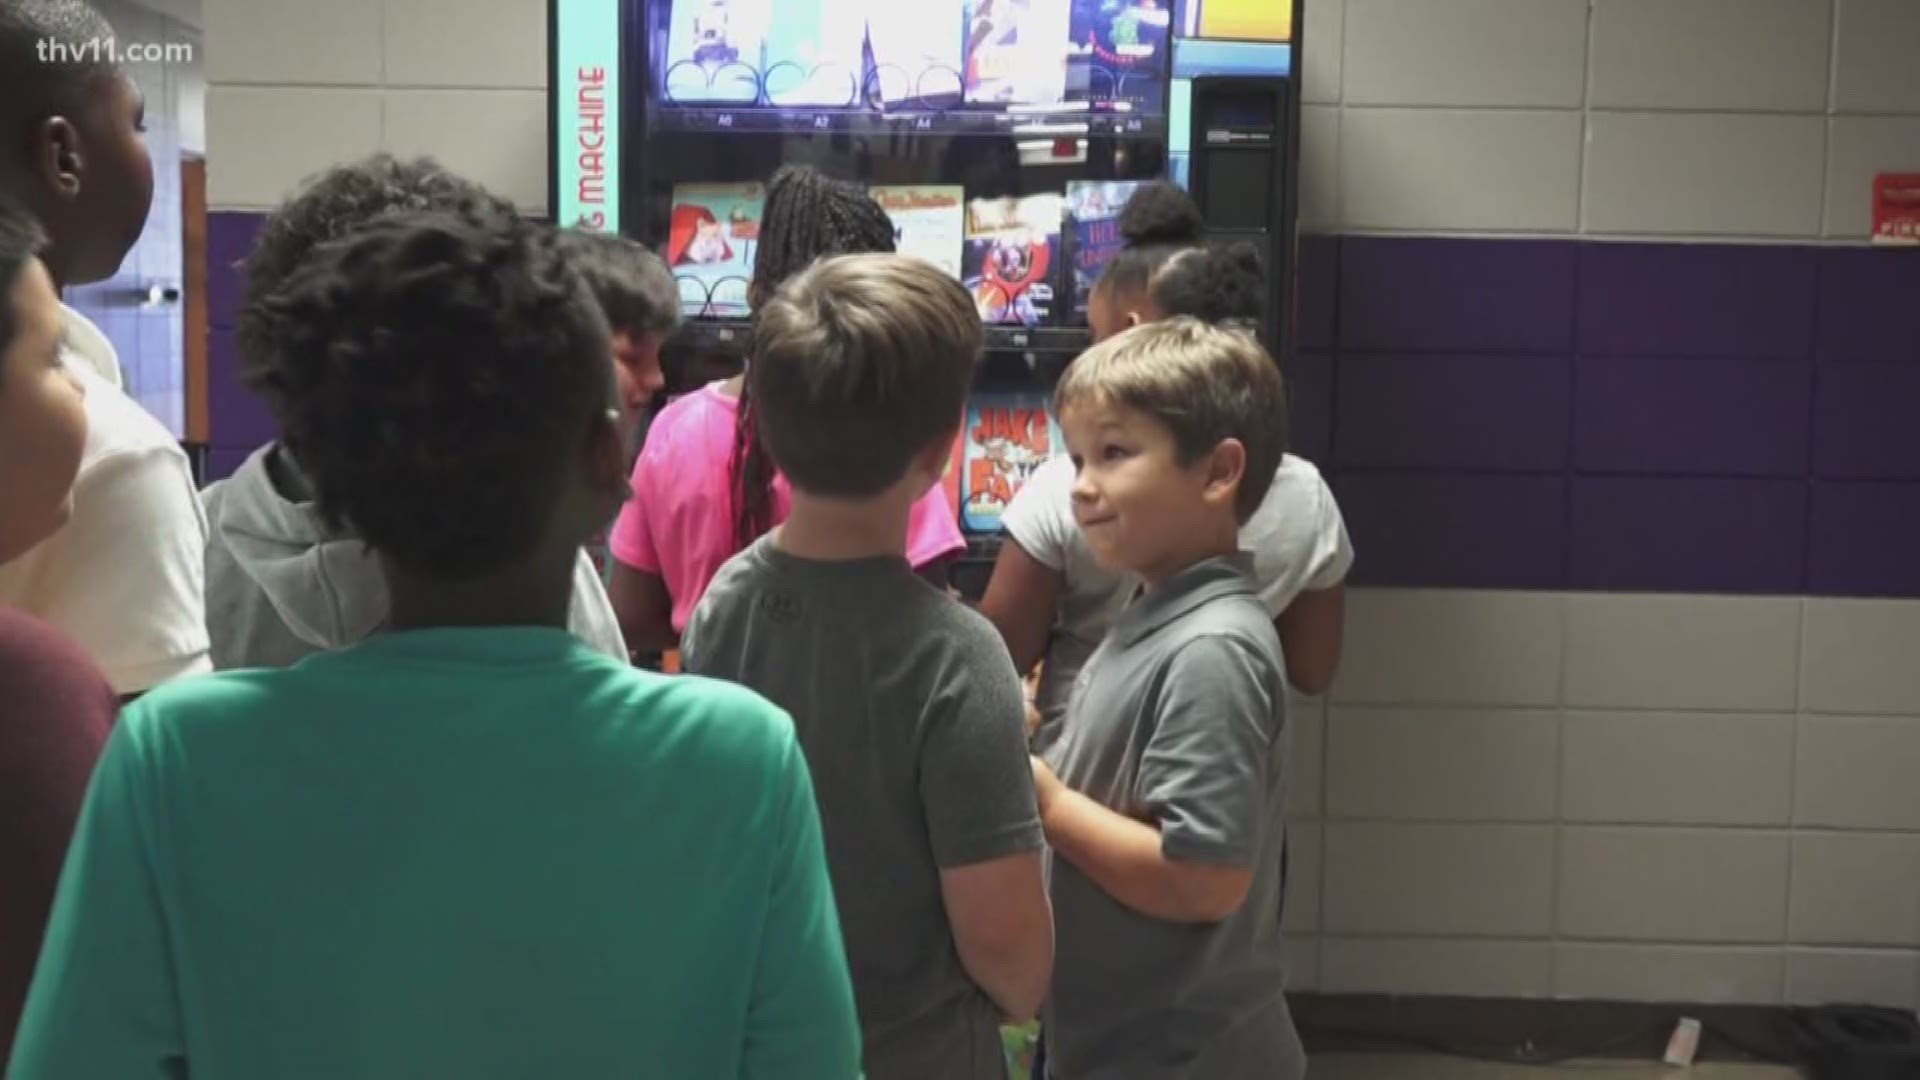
1226, 575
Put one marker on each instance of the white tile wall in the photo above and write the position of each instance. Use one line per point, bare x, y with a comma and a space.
1324, 35
262, 141
1689, 652
1674, 885
1703, 118
482, 134
1852, 976
1441, 647
1319, 167
1436, 966
1715, 175
1856, 889
1677, 768
1668, 973
1442, 764
1304, 798
1484, 880
291, 43
1304, 865
1858, 148
1860, 657
1482, 170
1431, 53
1876, 70
1760, 55
1860, 772
439, 43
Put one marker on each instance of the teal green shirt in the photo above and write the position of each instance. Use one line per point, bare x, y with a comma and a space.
458, 853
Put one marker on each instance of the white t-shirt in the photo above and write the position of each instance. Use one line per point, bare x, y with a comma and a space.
125, 576
1297, 538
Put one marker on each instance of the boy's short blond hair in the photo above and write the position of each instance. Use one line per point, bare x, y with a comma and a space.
861, 363
1205, 384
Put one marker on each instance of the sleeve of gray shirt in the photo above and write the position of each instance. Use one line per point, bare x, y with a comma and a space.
1205, 773
976, 782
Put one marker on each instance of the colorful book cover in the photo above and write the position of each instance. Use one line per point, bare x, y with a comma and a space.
1007, 437
715, 50
1093, 224
1013, 250
710, 244
1017, 52
929, 221
1119, 52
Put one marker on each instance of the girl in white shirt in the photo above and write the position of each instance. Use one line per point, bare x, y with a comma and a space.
1048, 597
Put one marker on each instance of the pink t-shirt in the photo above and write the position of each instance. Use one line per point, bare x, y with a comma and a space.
679, 523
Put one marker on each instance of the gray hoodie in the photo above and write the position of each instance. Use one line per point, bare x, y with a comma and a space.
281, 587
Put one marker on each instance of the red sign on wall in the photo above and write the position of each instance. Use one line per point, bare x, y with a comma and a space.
1896, 208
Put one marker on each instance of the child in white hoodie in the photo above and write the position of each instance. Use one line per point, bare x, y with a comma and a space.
281, 585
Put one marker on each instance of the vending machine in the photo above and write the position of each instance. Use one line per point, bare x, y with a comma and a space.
1001, 136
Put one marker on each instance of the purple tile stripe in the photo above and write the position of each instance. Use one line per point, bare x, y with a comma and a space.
240, 422
1661, 534
1550, 414
1726, 406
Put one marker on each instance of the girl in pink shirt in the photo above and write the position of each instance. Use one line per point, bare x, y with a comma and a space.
704, 488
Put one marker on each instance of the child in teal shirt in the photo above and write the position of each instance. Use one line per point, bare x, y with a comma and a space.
471, 846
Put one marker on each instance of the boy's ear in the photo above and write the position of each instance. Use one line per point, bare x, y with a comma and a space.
1226, 470
57, 157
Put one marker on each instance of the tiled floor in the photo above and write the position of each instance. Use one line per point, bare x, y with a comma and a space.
1421, 1067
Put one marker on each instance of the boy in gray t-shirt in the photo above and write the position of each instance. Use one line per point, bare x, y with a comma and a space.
906, 703
1163, 798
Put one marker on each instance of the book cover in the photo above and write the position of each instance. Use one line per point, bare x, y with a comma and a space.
1093, 226
1118, 54
1017, 52
710, 244
1006, 438
715, 50
929, 221
1012, 252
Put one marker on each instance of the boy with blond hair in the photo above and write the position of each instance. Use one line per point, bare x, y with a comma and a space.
1163, 798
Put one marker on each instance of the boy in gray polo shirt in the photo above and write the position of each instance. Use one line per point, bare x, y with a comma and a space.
906, 703
1163, 798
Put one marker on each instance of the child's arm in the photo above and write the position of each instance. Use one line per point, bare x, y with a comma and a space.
984, 827
1125, 858
801, 1020
1003, 929
1204, 788
103, 1001
645, 611
1312, 635
1020, 601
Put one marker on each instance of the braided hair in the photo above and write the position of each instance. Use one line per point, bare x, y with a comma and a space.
1169, 261
808, 217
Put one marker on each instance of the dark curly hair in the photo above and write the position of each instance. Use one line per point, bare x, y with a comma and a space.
633, 285
808, 217
1169, 261
330, 205
436, 375
21, 241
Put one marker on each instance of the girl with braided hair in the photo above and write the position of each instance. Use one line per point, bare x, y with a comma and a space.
704, 488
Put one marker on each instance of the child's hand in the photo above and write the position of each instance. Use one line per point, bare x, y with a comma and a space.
1046, 786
